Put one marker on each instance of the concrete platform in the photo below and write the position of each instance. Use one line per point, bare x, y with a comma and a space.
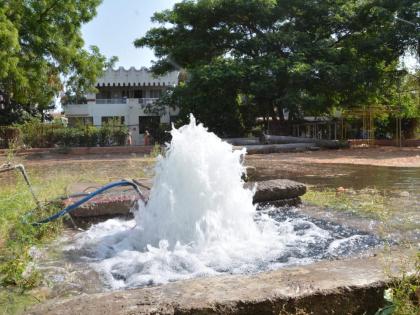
277, 148
353, 286
119, 202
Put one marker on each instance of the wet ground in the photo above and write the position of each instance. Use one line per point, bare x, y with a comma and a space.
393, 179
393, 191
400, 188
68, 272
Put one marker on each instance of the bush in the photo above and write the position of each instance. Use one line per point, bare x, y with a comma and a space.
32, 131
120, 135
68, 137
9, 135
105, 136
161, 134
38, 135
90, 137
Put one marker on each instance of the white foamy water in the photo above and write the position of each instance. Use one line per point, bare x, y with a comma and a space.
199, 221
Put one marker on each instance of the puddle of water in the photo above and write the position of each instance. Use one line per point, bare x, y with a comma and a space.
398, 187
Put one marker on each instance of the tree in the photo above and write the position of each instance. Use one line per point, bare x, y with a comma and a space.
41, 54
208, 85
301, 56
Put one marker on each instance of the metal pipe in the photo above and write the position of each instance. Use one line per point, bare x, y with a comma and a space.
21, 168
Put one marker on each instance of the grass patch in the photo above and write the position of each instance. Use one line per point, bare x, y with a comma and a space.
17, 238
404, 292
370, 203
15, 302
403, 295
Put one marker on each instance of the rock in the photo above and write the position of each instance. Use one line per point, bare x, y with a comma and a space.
404, 194
278, 189
340, 189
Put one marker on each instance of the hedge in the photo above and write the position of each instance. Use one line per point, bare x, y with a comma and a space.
38, 135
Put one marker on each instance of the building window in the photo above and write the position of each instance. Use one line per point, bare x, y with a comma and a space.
155, 93
138, 94
80, 121
115, 120
103, 94
148, 123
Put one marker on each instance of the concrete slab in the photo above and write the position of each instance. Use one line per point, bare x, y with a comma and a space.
120, 201
276, 148
116, 202
352, 286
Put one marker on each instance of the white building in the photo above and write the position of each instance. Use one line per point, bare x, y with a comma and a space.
123, 95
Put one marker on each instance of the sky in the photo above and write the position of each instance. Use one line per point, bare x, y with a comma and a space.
118, 23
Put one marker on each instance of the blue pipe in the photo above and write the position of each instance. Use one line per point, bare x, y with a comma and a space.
78, 203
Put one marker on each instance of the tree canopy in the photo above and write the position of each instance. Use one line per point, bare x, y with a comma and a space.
275, 55
42, 53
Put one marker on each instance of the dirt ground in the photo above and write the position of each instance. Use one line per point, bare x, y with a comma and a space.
377, 156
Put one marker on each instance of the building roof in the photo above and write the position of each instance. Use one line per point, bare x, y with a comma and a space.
136, 77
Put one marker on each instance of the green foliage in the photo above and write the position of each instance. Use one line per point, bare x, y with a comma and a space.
369, 203
211, 94
105, 136
18, 241
406, 292
300, 56
403, 296
156, 151
9, 136
13, 301
161, 134
90, 137
42, 51
68, 137
120, 135
35, 134
19, 237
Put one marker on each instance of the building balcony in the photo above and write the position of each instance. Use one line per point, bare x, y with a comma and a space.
118, 101
112, 105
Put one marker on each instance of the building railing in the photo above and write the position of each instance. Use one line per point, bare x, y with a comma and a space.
145, 101
111, 101
142, 101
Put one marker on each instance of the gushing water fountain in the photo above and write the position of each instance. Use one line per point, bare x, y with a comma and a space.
199, 221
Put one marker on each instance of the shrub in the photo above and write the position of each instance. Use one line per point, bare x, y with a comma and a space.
38, 135
90, 137
10, 136
68, 137
119, 135
161, 134
105, 136
32, 131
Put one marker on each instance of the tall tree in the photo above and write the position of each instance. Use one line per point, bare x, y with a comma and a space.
41, 53
296, 55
